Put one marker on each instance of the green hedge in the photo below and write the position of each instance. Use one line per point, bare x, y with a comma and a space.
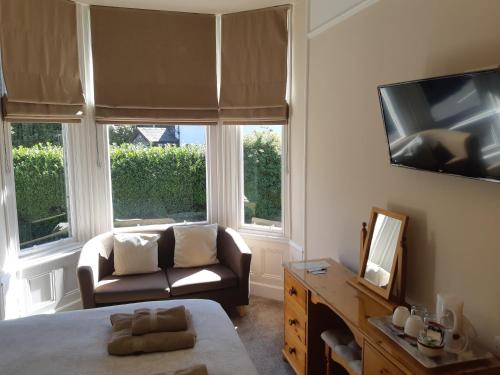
40, 189
158, 182
155, 182
262, 180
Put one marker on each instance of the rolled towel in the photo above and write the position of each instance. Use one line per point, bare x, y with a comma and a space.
354, 345
195, 370
122, 341
356, 366
339, 336
347, 353
159, 320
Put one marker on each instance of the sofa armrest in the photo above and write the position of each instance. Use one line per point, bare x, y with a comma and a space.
88, 273
234, 253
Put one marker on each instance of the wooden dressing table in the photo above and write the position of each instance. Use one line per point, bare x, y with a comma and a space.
315, 303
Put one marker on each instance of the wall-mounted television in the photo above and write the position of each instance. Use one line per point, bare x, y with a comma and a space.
447, 124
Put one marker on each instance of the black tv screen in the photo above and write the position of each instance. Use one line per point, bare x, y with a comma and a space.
447, 124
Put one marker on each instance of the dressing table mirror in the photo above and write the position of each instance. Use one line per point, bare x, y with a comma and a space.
383, 252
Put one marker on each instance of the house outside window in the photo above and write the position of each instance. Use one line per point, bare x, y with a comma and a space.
156, 136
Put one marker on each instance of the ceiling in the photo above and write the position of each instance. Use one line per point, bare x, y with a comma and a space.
198, 6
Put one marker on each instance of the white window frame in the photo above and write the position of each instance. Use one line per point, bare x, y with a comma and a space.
61, 245
210, 166
262, 230
212, 143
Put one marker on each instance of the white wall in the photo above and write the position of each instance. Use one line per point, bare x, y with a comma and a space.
266, 271
453, 235
297, 140
321, 11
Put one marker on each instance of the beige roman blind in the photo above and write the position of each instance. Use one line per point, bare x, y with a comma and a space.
254, 66
39, 51
154, 66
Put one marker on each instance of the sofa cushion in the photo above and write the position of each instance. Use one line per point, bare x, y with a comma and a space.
131, 288
200, 279
135, 253
195, 245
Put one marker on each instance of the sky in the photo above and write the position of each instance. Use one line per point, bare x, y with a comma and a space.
191, 134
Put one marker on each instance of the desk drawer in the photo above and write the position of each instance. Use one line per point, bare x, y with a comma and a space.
295, 353
375, 363
294, 291
295, 322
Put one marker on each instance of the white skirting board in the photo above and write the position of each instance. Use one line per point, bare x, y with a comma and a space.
266, 291
70, 301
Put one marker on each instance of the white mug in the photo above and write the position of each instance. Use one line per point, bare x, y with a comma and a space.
414, 324
399, 317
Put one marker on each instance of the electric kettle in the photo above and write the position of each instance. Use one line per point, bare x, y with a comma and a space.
449, 312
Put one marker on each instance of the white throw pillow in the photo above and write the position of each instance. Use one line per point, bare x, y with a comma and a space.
195, 245
135, 253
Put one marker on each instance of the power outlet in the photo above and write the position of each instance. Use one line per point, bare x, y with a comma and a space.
496, 343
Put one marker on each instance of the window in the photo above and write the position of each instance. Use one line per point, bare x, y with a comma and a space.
262, 176
158, 174
40, 183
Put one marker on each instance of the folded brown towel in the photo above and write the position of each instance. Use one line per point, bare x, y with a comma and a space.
159, 320
122, 341
120, 321
195, 370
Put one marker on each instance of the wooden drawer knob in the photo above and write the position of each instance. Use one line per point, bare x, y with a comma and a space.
292, 322
292, 291
291, 350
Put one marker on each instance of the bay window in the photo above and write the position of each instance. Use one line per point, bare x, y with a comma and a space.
67, 173
158, 174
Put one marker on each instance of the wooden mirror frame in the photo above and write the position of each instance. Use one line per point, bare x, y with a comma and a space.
398, 263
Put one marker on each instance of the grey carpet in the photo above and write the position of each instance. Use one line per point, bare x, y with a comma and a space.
261, 330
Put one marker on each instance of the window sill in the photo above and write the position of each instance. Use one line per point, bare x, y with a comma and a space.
34, 257
263, 235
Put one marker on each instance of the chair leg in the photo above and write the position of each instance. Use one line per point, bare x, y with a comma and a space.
242, 311
327, 360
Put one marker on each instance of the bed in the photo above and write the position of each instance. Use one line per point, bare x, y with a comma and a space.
75, 343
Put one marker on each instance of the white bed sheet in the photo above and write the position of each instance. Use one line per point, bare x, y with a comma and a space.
75, 343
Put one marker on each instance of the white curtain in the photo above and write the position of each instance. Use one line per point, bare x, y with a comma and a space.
11, 291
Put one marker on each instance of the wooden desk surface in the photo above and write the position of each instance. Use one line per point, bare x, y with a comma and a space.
330, 288
339, 290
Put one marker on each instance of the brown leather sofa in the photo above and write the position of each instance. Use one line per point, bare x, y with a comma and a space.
226, 282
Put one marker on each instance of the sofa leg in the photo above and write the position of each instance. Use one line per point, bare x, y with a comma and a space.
242, 311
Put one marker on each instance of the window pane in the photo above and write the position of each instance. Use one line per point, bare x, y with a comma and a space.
158, 174
262, 175
39, 175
